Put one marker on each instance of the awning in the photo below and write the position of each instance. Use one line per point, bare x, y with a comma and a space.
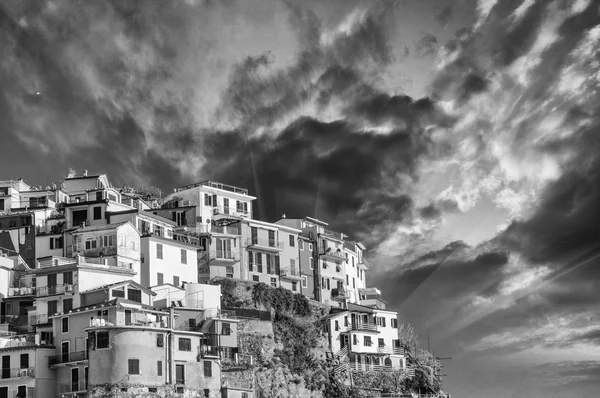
127, 305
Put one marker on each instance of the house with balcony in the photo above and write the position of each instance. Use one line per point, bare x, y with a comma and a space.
118, 245
220, 253
23, 366
289, 259
10, 192
356, 266
215, 203
165, 260
306, 256
146, 222
17, 235
16, 295
263, 245
59, 285
365, 338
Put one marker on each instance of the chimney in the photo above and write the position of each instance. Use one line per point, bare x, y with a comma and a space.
85, 173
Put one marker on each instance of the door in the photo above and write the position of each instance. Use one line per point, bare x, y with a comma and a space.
75, 379
272, 238
127, 317
64, 352
3, 392
224, 248
5, 366
254, 232
225, 205
353, 320
344, 341
51, 283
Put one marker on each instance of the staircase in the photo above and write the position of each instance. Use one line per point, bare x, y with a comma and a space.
342, 357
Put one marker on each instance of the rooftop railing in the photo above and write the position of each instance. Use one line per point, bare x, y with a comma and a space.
212, 184
21, 291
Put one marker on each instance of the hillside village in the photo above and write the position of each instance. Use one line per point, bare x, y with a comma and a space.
108, 292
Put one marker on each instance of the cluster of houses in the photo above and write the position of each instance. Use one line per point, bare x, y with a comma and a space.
105, 290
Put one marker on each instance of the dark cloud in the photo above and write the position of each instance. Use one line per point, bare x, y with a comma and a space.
436, 209
427, 45
444, 16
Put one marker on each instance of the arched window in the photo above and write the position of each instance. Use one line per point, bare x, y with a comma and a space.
387, 362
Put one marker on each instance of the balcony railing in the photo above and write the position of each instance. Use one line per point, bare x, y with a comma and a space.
49, 229
369, 367
216, 254
52, 290
264, 243
290, 273
110, 261
75, 386
333, 234
21, 291
229, 211
390, 350
363, 263
67, 357
358, 325
340, 293
140, 319
22, 340
225, 230
17, 373
332, 254
39, 319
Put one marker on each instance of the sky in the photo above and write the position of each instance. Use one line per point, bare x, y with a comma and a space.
458, 140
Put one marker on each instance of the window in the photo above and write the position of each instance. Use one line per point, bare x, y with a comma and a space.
175, 280
255, 278
56, 243
52, 307
207, 369
396, 343
368, 341
292, 244
244, 395
381, 342
185, 344
337, 326
207, 393
353, 283
272, 238
292, 263
133, 367
294, 286
277, 268
355, 340
159, 251
207, 200
160, 340
159, 368
274, 282
311, 263
322, 282
259, 266
158, 230
90, 244
347, 279
102, 340
107, 241
134, 295
97, 212
381, 322
67, 305
159, 278
395, 323
304, 282
310, 247
183, 256
24, 361
226, 330
301, 245
192, 323
328, 285
118, 292
68, 278
251, 261
269, 270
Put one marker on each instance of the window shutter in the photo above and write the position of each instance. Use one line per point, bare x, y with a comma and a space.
277, 267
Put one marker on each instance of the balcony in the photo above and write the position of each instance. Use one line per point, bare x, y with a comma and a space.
385, 350
223, 257
332, 254
108, 261
264, 244
54, 229
225, 230
369, 367
291, 274
363, 264
137, 318
332, 234
39, 319
67, 357
340, 294
17, 373
21, 291
223, 216
77, 386
43, 291
363, 326
23, 340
